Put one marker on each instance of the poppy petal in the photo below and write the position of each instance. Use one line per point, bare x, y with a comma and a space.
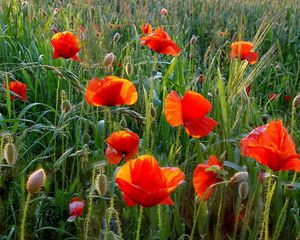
200, 127
174, 177
173, 109
251, 57
112, 155
55, 54
194, 106
76, 58
167, 201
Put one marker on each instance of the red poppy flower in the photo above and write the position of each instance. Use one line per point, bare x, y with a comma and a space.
121, 144
203, 179
76, 206
65, 45
147, 28
18, 88
271, 146
189, 111
244, 51
160, 42
143, 182
111, 91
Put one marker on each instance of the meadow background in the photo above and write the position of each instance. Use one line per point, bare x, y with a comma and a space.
70, 143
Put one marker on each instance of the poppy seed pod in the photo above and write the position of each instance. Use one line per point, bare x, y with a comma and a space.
116, 37
35, 181
243, 190
10, 153
239, 177
109, 59
296, 101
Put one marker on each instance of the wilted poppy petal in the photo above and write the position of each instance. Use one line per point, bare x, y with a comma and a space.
200, 127
194, 106
173, 110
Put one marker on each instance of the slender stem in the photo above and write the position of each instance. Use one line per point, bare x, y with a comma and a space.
139, 224
24, 217
159, 216
198, 211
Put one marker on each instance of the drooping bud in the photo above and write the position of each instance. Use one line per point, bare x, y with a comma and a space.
163, 11
193, 40
239, 177
296, 101
109, 59
101, 184
35, 181
66, 106
129, 68
10, 153
116, 37
289, 190
243, 190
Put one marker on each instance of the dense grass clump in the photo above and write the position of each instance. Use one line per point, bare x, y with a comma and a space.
55, 129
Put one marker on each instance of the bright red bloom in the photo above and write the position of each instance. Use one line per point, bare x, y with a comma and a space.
147, 28
272, 146
18, 88
111, 91
76, 206
160, 42
65, 45
121, 144
189, 111
244, 51
143, 182
203, 179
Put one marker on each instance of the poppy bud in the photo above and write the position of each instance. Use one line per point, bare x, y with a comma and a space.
101, 126
109, 59
56, 11
163, 11
66, 106
123, 122
85, 138
265, 118
272, 96
129, 68
116, 37
101, 184
289, 190
296, 101
243, 190
239, 177
35, 181
201, 78
203, 147
287, 98
10, 153
193, 40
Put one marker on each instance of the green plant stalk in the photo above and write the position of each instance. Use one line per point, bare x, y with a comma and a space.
159, 216
198, 211
139, 224
265, 223
219, 215
281, 220
86, 230
22, 237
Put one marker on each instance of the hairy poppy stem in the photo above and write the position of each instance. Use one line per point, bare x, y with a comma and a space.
264, 232
200, 204
139, 224
22, 237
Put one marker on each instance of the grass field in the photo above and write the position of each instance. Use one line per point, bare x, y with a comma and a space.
58, 128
